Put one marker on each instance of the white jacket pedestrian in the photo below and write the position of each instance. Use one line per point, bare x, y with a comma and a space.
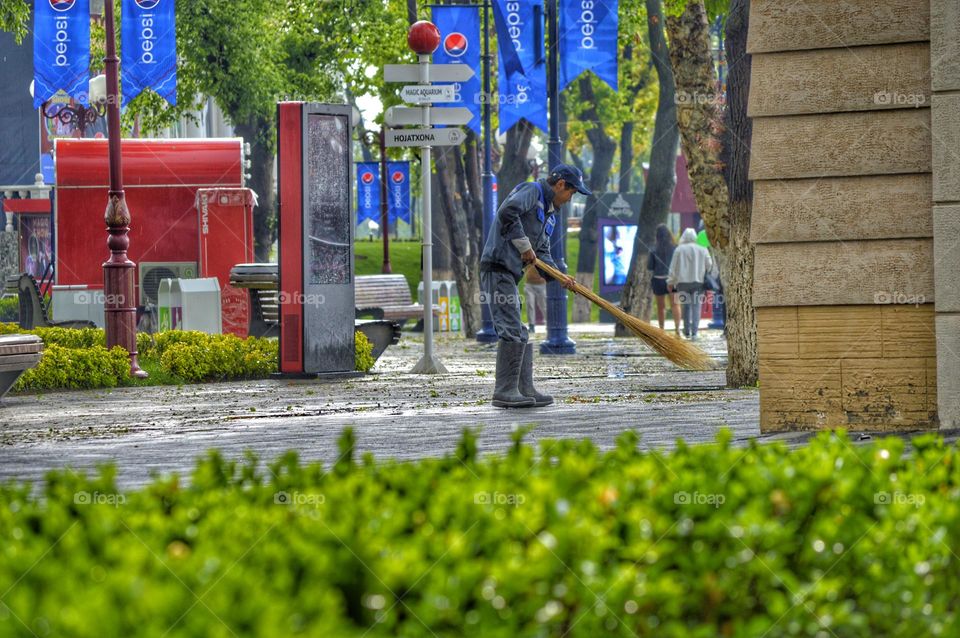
690, 263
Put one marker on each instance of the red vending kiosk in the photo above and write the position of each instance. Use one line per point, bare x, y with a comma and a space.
316, 240
226, 239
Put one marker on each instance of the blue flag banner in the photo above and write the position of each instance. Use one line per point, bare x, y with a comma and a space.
61, 49
506, 16
148, 58
588, 40
523, 94
460, 44
368, 191
398, 191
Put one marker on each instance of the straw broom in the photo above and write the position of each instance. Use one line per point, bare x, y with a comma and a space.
683, 353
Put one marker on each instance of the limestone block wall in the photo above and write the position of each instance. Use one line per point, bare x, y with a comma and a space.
844, 163
945, 124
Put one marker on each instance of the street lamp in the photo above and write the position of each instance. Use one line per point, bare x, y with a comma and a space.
120, 310
77, 115
369, 138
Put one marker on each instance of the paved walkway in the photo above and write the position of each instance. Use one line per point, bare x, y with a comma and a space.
609, 386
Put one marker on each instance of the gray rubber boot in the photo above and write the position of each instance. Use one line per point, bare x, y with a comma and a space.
506, 393
526, 380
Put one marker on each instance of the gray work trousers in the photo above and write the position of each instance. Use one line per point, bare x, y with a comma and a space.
691, 298
500, 294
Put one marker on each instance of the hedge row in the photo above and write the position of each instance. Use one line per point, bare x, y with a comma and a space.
831, 540
77, 358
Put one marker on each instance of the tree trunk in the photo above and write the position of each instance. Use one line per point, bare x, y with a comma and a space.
514, 167
257, 133
737, 261
451, 177
661, 179
699, 115
604, 150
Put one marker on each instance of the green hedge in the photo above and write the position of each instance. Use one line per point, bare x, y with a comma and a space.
831, 540
77, 368
9, 309
77, 358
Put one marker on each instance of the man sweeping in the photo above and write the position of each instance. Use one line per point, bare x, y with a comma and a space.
520, 235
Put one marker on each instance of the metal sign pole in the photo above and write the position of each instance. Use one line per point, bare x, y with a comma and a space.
427, 365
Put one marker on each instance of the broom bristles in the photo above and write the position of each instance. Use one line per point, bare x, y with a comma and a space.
683, 353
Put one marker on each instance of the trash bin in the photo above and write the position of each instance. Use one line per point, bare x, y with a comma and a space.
169, 306
456, 318
443, 301
200, 301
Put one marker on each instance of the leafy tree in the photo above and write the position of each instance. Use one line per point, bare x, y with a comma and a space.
250, 54
661, 181
15, 18
716, 143
601, 122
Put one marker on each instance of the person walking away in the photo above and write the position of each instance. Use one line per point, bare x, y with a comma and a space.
688, 269
536, 293
659, 265
520, 235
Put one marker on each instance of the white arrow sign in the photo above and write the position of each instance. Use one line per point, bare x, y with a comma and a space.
448, 115
425, 137
437, 73
428, 93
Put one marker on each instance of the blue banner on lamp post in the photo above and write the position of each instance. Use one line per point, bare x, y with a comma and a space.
523, 94
368, 191
149, 55
460, 44
588, 40
61, 50
398, 191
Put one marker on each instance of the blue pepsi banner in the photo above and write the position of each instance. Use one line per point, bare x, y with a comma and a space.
506, 18
61, 49
368, 191
588, 40
398, 191
523, 94
460, 44
149, 53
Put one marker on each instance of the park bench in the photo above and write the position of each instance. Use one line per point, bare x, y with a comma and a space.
18, 353
34, 312
386, 297
262, 284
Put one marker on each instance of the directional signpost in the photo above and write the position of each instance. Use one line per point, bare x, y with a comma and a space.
428, 94
407, 116
424, 38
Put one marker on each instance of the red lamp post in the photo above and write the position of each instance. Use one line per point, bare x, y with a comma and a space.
120, 310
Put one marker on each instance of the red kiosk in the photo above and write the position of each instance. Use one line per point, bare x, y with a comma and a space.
188, 196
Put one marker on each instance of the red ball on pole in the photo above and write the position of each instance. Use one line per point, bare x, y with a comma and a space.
423, 37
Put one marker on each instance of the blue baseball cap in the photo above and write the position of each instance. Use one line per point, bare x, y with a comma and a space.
572, 176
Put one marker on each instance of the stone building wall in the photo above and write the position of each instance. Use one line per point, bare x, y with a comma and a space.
844, 166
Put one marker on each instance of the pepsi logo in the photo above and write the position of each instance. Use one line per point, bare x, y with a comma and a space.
367, 178
62, 5
455, 44
397, 177
147, 4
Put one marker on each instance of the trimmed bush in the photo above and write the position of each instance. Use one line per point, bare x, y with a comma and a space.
196, 357
77, 368
830, 539
9, 309
363, 352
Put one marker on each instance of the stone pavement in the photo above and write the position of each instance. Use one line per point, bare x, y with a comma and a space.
609, 386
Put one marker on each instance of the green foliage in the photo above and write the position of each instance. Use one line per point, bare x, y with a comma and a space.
9, 309
15, 18
64, 367
363, 352
828, 539
196, 357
